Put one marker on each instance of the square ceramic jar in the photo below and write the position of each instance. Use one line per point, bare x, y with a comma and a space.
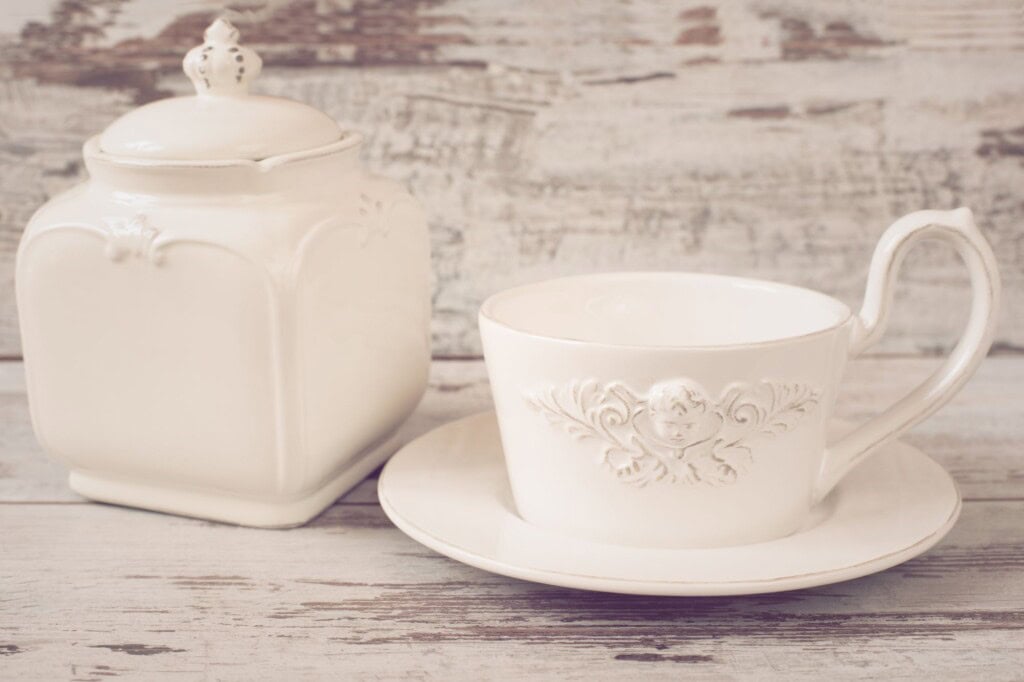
230, 318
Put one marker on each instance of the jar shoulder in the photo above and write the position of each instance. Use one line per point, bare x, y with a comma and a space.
267, 222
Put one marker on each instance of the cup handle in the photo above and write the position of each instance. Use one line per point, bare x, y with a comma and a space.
956, 227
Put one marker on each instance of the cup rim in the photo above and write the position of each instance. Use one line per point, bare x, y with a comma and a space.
486, 314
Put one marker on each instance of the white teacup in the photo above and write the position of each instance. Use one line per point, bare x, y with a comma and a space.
690, 410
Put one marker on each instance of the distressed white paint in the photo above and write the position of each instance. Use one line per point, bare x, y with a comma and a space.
594, 142
89, 591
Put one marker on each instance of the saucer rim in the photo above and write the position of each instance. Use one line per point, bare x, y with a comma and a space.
679, 588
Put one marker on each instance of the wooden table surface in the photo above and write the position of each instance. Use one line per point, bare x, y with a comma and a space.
90, 592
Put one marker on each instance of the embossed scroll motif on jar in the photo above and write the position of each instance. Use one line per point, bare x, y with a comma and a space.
230, 318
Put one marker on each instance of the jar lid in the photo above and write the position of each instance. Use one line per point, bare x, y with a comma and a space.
222, 121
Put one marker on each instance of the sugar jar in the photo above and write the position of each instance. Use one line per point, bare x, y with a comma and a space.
230, 318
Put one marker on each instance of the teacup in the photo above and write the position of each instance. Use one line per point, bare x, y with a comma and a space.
691, 410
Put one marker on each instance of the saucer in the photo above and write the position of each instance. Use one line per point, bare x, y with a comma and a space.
448, 490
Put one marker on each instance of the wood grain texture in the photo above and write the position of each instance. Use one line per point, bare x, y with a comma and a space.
117, 593
91, 592
775, 139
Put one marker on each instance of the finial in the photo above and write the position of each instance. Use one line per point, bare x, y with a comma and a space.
220, 67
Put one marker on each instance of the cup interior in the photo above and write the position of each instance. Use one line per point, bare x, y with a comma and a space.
664, 309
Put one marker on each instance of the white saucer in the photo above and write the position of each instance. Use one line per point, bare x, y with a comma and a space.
448, 491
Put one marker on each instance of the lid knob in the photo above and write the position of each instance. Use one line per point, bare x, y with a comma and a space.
220, 67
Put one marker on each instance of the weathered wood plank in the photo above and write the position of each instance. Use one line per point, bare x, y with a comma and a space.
977, 437
94, 591
771, 140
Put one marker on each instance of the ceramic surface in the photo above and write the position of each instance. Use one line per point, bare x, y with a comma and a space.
223, 120
449, 491
690, 410
215, 332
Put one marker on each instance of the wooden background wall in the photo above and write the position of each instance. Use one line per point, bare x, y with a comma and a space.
775, 138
